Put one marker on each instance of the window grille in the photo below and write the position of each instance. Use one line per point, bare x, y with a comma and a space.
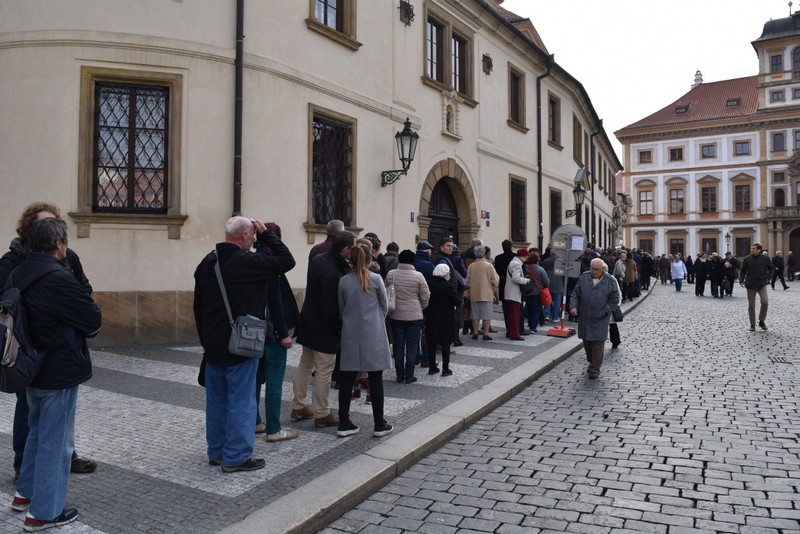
332, 170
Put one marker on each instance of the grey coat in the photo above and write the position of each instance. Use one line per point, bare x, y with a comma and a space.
594, 303
365, 346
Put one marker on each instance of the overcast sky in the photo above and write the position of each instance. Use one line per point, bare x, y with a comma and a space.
634, 57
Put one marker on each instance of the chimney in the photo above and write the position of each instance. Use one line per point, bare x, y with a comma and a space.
698, 79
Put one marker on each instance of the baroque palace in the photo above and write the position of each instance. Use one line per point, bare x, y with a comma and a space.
719, 168
150, 124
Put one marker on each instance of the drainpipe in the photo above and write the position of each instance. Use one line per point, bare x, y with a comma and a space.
237, 114
550, 61
594, 179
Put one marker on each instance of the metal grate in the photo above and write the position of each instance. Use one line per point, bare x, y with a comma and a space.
130, 159
332, 169
780, 359
518, 215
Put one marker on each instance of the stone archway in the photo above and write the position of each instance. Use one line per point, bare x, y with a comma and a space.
449, 173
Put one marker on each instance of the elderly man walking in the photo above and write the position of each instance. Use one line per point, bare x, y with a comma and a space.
484, 281
231, 379
592, 300
754, 275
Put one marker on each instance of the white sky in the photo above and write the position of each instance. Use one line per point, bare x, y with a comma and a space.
634, 57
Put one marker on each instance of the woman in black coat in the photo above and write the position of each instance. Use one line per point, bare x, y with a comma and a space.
439, 318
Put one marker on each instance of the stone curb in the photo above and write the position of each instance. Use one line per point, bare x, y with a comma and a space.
318, 503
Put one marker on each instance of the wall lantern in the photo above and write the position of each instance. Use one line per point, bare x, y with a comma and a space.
406, 12
615, 218
406, 148
728, 241
579, 193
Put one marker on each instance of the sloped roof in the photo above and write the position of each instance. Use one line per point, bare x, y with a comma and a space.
785, 27
524, 25
706, 102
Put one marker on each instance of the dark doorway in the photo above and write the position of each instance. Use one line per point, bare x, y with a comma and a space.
443, 214
794, 243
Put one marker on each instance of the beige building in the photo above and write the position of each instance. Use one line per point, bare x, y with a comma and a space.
125, 115
719, 168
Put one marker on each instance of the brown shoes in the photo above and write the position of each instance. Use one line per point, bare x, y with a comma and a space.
304, 413
328, 420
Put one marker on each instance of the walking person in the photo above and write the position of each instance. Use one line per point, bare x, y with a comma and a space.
484, 281
689, 269
716, 275
411, 299
731, 265
592, 300
754, 276
61, 315
777, 273
365, 345
678, 272
702, 269
439, 318
791, 266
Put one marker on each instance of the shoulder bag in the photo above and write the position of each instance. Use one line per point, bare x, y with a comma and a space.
248, 333
526, 290
545, 297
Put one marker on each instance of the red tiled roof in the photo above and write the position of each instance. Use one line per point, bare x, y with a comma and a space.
707, 101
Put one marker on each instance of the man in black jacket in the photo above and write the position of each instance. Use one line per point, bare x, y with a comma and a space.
777, 273
230, 379
61, 315
320, 331
754, 275
17, 252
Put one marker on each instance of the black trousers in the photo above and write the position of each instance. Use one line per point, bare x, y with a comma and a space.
613, 334
778, 275
347, 380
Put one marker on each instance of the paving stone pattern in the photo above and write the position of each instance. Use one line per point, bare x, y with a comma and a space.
142, 418
692, 427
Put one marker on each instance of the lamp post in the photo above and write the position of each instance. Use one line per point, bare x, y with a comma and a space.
728, 242
406, 148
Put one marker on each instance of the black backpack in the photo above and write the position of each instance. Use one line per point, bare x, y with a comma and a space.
20, 362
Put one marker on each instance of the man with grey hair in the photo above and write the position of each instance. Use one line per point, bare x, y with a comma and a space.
61, 315
596, 293
334, 227
230, 379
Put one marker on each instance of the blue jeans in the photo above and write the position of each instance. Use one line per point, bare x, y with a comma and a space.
44, 474
422, 349
230, 412
678, 284
20, 431
554, 310
274, 372
533, 307
406, 340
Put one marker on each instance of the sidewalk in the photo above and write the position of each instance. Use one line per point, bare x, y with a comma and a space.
141, 417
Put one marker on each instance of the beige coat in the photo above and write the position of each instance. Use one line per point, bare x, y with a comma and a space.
483, 281
411, 293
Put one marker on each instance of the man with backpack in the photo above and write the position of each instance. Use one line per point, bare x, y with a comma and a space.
18, 251
60, 316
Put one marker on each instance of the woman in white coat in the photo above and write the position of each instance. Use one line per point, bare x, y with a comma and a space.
513, 294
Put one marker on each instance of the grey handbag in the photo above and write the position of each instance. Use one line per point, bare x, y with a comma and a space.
248, 333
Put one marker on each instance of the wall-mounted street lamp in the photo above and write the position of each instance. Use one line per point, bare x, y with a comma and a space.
580, 195
406, 148
406, 12
728, 241
615, 218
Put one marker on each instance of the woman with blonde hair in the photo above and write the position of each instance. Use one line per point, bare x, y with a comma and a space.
365, 346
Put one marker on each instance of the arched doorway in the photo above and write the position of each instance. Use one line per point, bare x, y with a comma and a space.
443, 214
794, 243
447, 205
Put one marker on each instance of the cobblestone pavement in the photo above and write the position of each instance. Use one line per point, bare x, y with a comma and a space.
692, 427
141, 417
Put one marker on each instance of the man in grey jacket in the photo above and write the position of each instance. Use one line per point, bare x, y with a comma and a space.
592, 300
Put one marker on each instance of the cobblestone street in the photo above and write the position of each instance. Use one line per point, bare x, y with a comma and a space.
692, 427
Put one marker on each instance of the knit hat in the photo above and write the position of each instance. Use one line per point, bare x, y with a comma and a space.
441, 270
